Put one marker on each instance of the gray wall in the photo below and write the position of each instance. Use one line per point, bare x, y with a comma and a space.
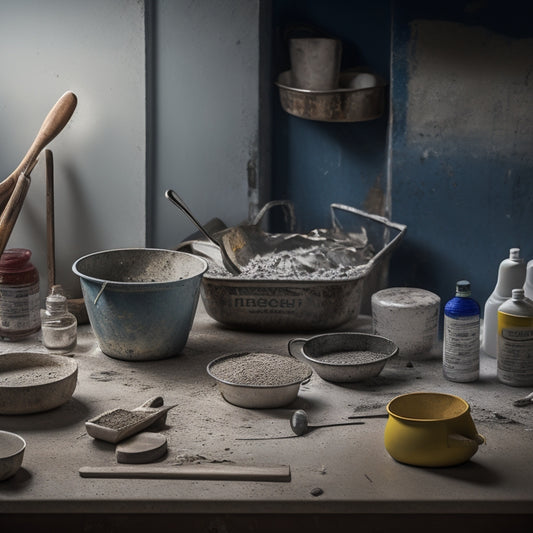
96, 49
206, 115
168, 98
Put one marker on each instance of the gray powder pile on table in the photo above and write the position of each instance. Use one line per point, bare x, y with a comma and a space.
120, 418
319, 255
262, 369
351, 358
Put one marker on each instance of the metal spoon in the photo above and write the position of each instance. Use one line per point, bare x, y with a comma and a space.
522, 402
300, 423
300, 426
226, 259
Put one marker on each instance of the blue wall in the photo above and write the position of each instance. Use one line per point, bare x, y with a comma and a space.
462, 142
461, 138
317, 163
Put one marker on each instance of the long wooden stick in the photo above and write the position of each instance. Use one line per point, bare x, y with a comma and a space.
75, 305
50, 219
200, 471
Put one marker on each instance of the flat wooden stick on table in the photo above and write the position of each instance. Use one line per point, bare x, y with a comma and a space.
200, 471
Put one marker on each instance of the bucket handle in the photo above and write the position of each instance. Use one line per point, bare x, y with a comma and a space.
295, 353
300, 356
104, 285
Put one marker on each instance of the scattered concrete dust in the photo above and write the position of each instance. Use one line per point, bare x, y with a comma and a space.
185, 458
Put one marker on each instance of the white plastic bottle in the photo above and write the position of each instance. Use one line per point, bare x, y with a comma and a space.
515, 340
528, 285
511, 275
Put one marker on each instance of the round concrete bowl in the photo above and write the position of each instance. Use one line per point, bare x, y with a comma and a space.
35, 382
141, 302
12, 448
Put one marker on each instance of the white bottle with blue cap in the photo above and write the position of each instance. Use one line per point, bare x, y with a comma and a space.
461, 342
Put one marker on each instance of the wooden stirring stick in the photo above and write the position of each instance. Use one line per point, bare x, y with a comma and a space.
75, 305
50, 220
14, 205
54, 122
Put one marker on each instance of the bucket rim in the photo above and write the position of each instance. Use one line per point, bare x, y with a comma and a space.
425, 394
200, 272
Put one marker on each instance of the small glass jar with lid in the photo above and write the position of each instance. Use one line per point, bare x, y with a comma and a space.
58, 325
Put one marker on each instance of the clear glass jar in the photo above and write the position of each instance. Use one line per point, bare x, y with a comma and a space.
19, 295
58, 326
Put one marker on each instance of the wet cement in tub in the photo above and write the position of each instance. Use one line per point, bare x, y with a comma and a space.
321, 262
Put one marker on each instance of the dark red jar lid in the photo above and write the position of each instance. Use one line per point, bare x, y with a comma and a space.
15, 259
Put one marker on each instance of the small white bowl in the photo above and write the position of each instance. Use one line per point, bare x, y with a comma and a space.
12, 448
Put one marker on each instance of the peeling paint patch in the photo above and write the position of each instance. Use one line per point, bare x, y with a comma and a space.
375, 199
469, 85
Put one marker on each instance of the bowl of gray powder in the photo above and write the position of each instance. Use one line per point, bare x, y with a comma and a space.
259, 380
344, 357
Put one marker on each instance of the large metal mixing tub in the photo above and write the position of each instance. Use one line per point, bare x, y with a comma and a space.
296, 304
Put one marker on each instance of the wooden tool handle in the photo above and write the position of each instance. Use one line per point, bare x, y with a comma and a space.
54, 122
201, 471
50, 219
10, 214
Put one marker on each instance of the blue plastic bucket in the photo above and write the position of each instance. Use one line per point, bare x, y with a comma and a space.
141, 302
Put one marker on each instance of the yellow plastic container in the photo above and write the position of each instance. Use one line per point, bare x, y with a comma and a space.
431, 429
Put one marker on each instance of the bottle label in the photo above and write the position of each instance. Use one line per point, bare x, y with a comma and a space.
515, 350
19, 307
461, 348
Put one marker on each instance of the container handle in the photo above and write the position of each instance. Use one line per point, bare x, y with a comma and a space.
104, 285
456, 440
288, 207
292, 342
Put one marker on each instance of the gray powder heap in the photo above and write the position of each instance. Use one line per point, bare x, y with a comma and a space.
260, 369
350, 358
320, 255
121, 418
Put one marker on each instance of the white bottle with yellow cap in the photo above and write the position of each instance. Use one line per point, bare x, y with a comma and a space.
515, 340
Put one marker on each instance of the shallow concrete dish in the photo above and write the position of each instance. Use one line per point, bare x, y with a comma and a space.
344, 357
256, 396
35, 382
12, 448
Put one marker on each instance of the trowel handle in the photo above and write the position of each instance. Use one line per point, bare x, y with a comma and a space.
156, 401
